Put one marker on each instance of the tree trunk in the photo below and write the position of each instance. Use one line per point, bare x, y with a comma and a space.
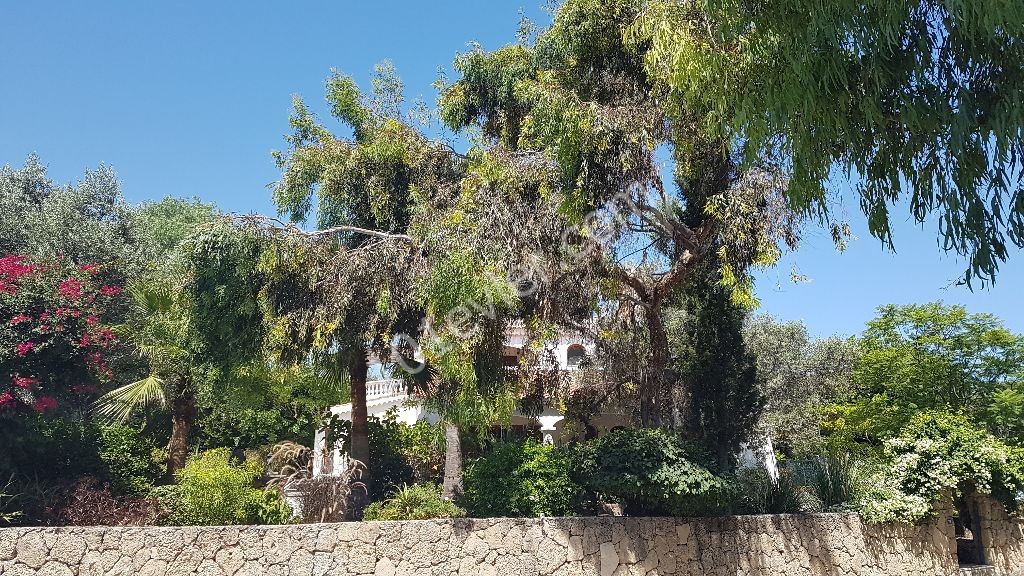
452, 487
359, 441
183, 416
652, 388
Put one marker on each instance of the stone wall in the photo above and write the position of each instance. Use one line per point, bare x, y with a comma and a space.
1002, 537
812, 545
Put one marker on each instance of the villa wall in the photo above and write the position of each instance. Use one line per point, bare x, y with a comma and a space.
1002, 537
811, 545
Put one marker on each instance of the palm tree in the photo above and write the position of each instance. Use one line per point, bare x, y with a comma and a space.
160, 326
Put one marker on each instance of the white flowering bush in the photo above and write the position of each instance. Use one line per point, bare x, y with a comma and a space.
939, 455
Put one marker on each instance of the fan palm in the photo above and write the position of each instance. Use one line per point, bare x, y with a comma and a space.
161, 330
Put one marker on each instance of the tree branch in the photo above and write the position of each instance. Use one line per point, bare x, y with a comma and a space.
291, 228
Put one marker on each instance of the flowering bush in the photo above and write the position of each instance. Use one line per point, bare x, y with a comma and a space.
54, 338
938, 455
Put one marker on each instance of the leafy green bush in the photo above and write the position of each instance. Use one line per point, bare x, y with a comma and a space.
419, 502
49, 449
938, 455
520, 479
651, 471
402, 454
133, 462
214, 489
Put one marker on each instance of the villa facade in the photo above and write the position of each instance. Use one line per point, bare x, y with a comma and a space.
390, 395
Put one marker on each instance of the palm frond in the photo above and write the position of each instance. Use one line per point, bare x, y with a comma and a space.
119, 404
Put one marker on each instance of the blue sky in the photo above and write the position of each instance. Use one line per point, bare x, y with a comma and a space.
189, 98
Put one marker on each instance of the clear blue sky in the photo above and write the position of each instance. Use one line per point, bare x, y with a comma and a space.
188, 99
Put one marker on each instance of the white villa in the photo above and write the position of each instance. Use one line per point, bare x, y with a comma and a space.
384, 395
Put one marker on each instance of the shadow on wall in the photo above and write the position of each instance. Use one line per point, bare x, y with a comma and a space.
1002, 537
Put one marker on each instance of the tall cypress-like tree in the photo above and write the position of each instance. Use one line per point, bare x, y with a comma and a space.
710, 356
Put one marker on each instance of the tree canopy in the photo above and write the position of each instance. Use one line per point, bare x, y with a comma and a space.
916, 102
934, 357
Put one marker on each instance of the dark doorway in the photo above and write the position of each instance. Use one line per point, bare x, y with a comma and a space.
967, 526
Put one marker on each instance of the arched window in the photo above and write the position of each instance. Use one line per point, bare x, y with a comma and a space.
574, 355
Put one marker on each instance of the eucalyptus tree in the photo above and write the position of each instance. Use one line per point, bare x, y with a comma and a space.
578, 99
917, 102
350, 286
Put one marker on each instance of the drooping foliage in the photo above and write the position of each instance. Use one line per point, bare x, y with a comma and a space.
916, 102
578, 101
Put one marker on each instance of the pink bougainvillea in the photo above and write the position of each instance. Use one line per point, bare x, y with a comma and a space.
71, 289
44, 404
18, 319
24, 382
54, 333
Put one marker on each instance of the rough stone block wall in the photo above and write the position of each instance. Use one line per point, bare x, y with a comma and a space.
813, 545
1002, 537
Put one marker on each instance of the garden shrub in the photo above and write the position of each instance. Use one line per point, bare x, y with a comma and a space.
133, 463
837, 480
49, 449
651, 472
419, 502
87, 502
214, 489
756, 492
402, 454
940, 455
521, 479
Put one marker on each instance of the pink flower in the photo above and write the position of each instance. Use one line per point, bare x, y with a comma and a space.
20, 318
12, 269
44, 316
62, 311
44, 403
110, 290
24, 348
24, 382
6, 399
71, 289
84, 340
90, 268
91, 319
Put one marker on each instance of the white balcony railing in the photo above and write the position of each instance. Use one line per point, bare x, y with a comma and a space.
376, 389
